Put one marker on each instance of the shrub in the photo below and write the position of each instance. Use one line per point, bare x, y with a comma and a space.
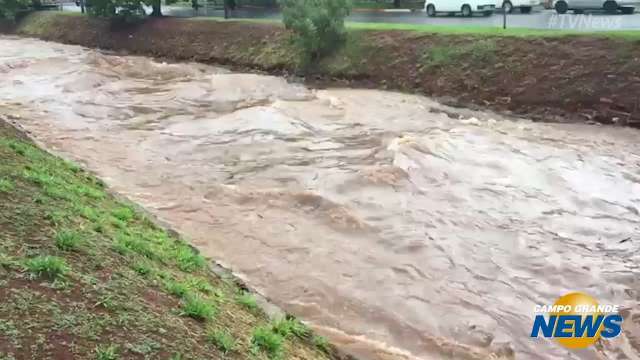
317, 25
9, 8
126, 10
48, 266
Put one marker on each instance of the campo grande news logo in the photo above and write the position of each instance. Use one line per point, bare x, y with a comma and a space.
576, 321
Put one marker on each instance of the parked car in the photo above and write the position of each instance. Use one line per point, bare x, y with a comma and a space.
525, 6
610, 6
464, 7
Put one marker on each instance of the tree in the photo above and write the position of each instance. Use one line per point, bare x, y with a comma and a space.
9, 8
156, 6
317, 25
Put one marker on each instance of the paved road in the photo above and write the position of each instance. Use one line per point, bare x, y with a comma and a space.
538, 19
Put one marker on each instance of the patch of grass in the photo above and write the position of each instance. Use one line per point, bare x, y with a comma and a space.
6, 185
481, 52
107, 352
248, 301
123, 213
127, 243
68, 240
486, 31
87, 212
56, 206
199, 284
351, 59
288, 327
223, 340
51, 267
198, 308
176, 288
142, 267
188, 260
321, 343
264, 339
145, 347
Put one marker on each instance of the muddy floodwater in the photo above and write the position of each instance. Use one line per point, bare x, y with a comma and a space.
398, 227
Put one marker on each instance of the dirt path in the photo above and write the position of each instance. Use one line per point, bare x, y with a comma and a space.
400, 228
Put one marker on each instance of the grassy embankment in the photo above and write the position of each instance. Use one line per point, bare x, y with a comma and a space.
86, 276
546, 75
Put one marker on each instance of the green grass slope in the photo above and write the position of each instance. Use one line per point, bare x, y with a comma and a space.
86, 276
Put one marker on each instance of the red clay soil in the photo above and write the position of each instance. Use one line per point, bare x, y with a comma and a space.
561, 79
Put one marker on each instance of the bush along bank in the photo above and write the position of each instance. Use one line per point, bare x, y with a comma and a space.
555, 78
84, 275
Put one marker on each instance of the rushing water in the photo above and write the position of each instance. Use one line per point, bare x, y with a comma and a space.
398, 228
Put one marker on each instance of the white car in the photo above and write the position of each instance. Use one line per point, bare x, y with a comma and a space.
524, 5
464, 7
610, 6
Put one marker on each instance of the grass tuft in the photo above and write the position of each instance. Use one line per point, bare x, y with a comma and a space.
6, 185
264, 339
198, 308
68, 240
288, 327
247, 300
123, 213
223, 340
176, 288
108, 352
188, 260
142, 267
321, 343
51, 267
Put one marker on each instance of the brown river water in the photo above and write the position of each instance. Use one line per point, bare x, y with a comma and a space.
396, 226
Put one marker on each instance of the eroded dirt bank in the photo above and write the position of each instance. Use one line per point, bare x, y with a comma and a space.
570, 79
399, 229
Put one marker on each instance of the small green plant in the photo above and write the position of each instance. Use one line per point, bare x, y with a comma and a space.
109, 352
6, 185
287, 327
88, 191
68, 240
87, 212
199, 284
264, 339
223, 340
317, 25
51, 267
188, 260
125, 243
142, 267
321, 343
247, 300
198, 308
123, 213
176, 288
